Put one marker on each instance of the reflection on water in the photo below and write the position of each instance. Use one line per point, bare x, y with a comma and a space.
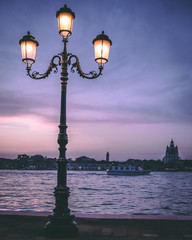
162, 193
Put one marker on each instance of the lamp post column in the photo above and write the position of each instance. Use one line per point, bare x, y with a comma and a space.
62, 208
62, 222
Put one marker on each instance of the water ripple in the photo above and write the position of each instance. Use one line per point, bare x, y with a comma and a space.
160, 193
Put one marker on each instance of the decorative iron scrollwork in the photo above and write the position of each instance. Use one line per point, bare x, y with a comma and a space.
76, 64
91, 75
36, 75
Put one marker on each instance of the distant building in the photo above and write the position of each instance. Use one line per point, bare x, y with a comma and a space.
51, 163
6, 163
107, 157
39, 162
85, 159
87, 166
172, 154
22, 161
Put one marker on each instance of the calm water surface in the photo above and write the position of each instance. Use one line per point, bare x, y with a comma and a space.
161, 193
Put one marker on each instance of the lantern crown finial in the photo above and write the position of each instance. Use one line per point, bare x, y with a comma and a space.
65, 9
102, 36
28, 37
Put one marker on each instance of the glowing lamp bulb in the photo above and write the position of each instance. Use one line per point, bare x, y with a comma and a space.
65, 20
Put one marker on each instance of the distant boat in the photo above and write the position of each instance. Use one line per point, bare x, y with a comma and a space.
127, 170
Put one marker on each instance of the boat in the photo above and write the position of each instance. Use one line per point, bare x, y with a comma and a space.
127, 170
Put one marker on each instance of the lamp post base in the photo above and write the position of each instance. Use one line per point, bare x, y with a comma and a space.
61, 227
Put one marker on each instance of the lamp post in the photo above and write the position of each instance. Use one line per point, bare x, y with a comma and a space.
61, 222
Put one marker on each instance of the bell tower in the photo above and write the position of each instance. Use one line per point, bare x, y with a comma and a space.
107, 157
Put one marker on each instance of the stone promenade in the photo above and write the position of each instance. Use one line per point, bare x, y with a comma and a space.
30, 226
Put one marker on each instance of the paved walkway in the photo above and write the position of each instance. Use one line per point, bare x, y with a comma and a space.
30, 226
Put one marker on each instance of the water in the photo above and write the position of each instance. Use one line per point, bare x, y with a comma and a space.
160, 193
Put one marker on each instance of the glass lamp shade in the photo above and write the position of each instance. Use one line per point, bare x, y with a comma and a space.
102, 45
28, 48
65, 21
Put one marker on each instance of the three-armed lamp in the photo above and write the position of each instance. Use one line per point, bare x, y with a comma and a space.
61, 222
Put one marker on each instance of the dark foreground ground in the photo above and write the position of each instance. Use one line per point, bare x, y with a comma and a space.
30, 226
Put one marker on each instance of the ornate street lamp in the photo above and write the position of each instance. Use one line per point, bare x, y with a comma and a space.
102, 46
61, 222
28, 49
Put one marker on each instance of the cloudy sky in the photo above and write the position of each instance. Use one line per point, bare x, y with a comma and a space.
142, 100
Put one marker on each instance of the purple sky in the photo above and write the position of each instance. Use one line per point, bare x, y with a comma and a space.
142, 100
